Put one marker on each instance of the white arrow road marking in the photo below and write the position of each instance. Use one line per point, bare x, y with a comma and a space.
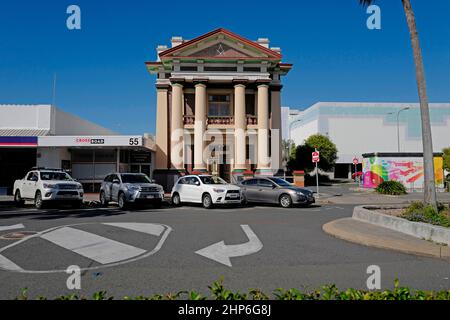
14, 227
92, 246
7, 264
149, 228
222, 253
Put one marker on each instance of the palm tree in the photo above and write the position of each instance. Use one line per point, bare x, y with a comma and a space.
429, 184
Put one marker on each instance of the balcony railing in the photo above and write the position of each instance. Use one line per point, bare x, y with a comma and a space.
252, 120
189, 119
224, 120
219, 120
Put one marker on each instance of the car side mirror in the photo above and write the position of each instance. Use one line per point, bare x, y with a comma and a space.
153, 181
274, 186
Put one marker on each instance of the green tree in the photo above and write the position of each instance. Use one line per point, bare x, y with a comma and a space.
303, 154
446, 152
429, 179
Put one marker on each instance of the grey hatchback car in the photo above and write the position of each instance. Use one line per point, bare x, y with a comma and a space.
127, 188
275, 190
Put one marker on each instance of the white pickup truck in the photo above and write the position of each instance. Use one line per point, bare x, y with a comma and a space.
48, 185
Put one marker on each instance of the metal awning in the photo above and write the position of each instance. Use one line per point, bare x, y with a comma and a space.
21, 132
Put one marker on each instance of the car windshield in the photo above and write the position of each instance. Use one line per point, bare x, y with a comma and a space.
60, 176
135, 178
281, 182
212, 180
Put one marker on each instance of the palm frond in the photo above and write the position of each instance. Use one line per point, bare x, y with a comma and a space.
366, 3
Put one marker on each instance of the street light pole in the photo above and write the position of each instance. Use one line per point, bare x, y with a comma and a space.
290, 128
398, 125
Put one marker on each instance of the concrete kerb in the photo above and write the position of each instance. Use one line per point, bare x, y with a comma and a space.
416, 229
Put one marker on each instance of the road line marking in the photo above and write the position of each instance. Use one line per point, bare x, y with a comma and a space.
220, 252
7, 264
14, 227
149, 228
94, 247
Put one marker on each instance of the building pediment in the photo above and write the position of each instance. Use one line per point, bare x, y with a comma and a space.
220, 44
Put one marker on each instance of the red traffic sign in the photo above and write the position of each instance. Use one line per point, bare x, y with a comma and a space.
315, 157
355, 161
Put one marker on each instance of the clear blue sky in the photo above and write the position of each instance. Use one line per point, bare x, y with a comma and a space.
102, 77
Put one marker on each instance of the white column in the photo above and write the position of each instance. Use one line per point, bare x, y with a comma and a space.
263, 127
199, 127
162, 120
276, 133
240, 125
176, 134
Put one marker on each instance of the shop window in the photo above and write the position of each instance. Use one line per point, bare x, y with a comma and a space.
219, 106
250, 104
188, 68
105, 155
83, 156
189, 104
221, 69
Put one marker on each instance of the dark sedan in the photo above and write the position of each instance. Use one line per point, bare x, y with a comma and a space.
276, 191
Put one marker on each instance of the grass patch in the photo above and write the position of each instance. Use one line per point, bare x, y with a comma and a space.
393, 188
419, 212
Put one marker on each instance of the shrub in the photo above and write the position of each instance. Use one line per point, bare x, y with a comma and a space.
419, 212
329, 292
394, 188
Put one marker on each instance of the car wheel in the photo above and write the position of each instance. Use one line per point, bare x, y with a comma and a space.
157, 204
103, 201
77, 204
244, 201
38, 202
176, 200
122, 201
18, 201
285, 201
207, 201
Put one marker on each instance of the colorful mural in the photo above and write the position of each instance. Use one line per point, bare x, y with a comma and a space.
408, 171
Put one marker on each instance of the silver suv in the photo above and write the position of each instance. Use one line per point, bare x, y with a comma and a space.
127, 188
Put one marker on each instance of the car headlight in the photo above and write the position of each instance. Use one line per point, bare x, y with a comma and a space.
133, 188
50, 186
80, 187
219, 190
300, 193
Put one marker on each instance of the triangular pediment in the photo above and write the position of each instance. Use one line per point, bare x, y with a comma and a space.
219, 44
218, 50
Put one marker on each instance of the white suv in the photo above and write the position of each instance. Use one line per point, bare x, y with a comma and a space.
205, 189
47, 185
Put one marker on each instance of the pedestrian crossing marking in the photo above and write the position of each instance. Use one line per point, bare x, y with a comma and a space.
149, 228
92, 246
7, 264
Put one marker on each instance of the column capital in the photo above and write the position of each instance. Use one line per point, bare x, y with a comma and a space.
177, 81
240, 82
276, 87
263, 83
200, 82
162, 86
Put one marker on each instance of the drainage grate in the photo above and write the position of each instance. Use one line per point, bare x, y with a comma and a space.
17, 235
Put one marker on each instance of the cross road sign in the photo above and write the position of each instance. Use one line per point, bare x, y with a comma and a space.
315, 157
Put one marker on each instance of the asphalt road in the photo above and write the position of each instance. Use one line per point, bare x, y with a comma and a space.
162, 258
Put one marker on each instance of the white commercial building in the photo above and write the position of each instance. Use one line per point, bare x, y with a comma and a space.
358, 128
45, 136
